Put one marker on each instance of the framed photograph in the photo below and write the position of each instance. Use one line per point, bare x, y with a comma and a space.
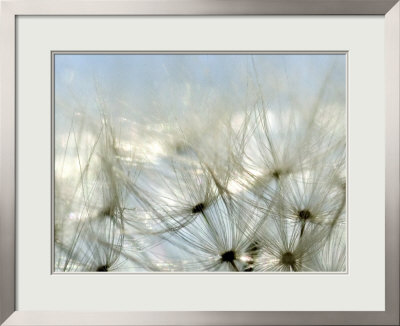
200, 163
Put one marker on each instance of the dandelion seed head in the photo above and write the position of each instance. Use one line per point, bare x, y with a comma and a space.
228, 256
107, 211
198, 208
276, 174
253, 249
182, 148
103, 268
288, 259
304, 214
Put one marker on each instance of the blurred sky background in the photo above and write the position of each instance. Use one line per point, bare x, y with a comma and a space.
142, 83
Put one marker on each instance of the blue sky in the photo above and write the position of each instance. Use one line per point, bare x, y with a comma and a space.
152, 86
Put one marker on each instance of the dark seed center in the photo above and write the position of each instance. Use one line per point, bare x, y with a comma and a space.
198, 208
182, 148
103, 268
276, 174
228, 256
288, 259
253, 248
107, 211
304, 214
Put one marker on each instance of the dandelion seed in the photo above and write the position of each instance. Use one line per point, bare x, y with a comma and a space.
304, 214
284, 247
103, 268
228, 256
198, 208
288, 259
220, 238
277, 173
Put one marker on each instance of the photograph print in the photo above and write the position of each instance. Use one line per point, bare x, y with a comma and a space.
199, 162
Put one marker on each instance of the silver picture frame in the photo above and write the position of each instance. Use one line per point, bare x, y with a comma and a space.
11, 9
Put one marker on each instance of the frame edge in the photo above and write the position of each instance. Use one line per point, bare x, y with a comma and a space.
392, 80
9, 11
202, 7
7, 164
